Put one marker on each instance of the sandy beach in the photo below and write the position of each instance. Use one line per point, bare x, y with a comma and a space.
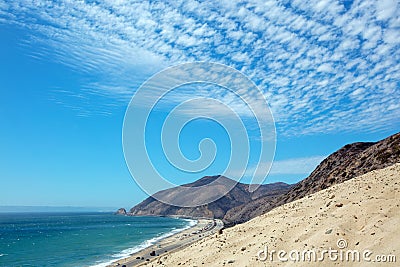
203, 228
360, 216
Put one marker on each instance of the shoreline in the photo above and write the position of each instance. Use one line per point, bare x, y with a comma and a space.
177, 241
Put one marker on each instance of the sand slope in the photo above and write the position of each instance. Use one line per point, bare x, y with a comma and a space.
363, 211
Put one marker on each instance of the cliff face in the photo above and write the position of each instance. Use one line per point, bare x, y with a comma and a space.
239, 205
348, 162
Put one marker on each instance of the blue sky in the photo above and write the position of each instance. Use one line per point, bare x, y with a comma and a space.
329, 70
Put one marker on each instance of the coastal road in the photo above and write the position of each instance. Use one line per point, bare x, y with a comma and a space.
203, 228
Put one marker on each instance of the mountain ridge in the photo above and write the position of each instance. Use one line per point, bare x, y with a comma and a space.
239, 194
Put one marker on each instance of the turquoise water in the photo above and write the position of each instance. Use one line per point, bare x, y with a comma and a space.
78, 239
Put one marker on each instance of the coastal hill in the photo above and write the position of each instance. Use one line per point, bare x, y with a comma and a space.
350, 161
239, 205
237, 196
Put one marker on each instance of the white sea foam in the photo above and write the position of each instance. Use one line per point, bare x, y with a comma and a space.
127, 252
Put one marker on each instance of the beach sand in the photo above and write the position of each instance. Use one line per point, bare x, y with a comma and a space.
360, 214
203, 228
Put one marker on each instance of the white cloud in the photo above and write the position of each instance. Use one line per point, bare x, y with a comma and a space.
311, 58
385, 9
325, 67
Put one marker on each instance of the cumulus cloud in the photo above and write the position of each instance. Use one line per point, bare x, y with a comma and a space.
324, 66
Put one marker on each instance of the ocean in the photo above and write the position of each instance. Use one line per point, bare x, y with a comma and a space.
78, 239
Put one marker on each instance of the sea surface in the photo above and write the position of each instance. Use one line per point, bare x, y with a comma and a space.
78, 239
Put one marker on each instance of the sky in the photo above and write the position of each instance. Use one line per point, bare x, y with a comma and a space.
329, 71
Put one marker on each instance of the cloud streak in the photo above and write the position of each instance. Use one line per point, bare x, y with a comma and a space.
300, 166
324, 66
296, 166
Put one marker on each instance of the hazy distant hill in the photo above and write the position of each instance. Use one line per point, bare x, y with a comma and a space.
239, 205
23, 209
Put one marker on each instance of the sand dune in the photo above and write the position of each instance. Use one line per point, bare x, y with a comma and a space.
358, 217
